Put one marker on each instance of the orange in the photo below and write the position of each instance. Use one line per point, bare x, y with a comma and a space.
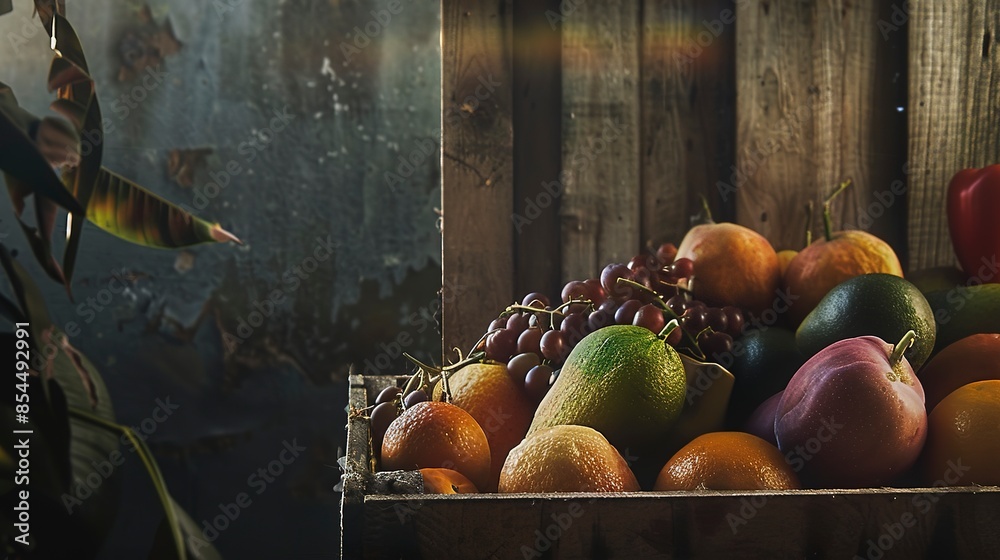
824, 264
971, 359
435, 434
566, 458
727, 461
500, 407
446, 481
733, 265
963, 437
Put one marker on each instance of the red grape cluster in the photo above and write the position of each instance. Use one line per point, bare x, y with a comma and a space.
388, 405
534, 339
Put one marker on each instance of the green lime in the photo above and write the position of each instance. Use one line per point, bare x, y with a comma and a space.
621, 380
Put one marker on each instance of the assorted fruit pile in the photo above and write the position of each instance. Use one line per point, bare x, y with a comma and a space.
844, 375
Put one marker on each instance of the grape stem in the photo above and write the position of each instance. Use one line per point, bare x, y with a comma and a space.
668, 329
552, 312
692, 342
425, 379
827, 222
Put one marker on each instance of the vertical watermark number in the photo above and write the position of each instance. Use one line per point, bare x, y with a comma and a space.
22, 357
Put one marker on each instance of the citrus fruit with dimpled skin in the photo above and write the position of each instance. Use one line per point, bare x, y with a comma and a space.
963, 437
727, 461
622, 381
446, 481
974, 358
824, 264
566, 459
434, 434
501, 408
733, 265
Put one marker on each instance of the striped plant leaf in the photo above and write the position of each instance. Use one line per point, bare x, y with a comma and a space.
131, 212
21, 159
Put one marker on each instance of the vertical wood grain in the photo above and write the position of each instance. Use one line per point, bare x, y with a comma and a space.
954, 111
687, 121
537, 145
476, 167
601, 194
807, 85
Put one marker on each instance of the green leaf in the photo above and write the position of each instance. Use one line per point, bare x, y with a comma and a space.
131, 212
83, 388
10, 310
39, 238
21, 159
183, 531
194, 542
80, 181
45, 10
73, 111
63, 73
68, 44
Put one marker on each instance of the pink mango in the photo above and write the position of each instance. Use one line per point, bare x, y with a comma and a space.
853, 415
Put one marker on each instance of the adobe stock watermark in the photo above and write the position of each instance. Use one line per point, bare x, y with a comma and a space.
291, 279
86, 486
887, 198
552, 190
258, 481
922, 503
421, 320
422, 152
547, 537
121, 280
959, 296
707, 376
256, 141
566, 9
459, 110
898, 18
796, 459
27, 28
363, 35
778, 137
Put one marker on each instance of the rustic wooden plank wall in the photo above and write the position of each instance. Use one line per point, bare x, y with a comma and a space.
687, 113
806, 86
955, 111
600, 204
537, 146
476, 166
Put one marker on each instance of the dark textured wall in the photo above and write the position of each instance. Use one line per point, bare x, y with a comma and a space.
184, 325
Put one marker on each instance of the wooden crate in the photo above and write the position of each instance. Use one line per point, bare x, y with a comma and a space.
613, 118
892, 522
759, 105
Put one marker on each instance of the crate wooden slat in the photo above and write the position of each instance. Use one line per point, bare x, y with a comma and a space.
955, 110
932, 523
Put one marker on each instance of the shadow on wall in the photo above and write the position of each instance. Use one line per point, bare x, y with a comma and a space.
281, 121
